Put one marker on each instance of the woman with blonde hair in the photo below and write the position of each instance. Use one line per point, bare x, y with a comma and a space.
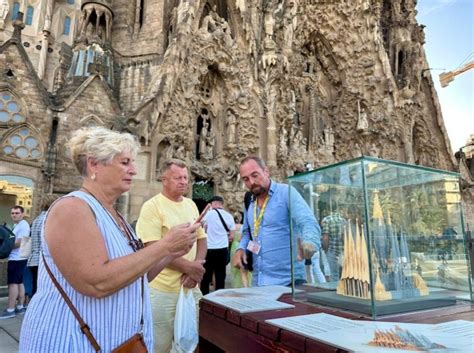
92, 255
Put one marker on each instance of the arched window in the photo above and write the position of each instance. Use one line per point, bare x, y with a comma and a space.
10, 109
22, 144
16, 8
29, 15
70, 2
90, 121
67, 25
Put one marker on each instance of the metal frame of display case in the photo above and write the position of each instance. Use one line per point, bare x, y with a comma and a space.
406, 289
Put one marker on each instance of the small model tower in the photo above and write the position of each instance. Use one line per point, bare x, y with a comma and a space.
355, 279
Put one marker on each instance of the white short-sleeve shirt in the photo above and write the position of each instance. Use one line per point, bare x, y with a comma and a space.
216, 233
21, 229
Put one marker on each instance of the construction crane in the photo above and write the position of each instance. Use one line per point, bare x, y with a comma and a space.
446, 77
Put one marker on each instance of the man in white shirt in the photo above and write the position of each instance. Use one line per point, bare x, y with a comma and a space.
16, 266
220, 227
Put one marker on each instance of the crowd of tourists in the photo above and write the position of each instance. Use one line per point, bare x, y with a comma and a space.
100, 284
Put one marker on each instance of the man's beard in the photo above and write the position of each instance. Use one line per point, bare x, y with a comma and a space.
258, 190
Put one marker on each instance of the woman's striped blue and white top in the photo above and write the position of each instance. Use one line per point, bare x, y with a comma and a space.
50, 326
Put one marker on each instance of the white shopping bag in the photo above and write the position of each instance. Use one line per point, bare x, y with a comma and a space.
25, 247
186, 337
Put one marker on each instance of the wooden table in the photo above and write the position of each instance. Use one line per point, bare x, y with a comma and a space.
225, 330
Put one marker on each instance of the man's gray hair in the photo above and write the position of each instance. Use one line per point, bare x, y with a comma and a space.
168, 163
261, 163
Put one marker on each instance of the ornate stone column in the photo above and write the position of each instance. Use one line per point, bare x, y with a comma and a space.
44, 41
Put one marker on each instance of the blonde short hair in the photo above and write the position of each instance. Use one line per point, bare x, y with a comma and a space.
101, 144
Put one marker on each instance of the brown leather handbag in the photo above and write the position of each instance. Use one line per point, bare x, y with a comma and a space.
135, 344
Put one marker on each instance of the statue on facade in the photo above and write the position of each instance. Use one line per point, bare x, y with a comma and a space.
292, 112
203, 137
282, 145
269, 21
231, 127
213, 23
165, 154
290, 23
211, 141
373, 150
269, 57
168, 152
362, 120
408, 151
328, 141
309, 64
355, 151
180, 153
298, 147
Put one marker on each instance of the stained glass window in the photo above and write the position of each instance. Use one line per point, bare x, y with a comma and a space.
22, 144
10, 109
29, 15
67, 25
16, 9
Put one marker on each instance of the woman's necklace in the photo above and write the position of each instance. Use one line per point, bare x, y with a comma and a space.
116, 218
136, 244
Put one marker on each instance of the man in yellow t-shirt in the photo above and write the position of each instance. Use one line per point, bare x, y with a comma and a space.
162, 212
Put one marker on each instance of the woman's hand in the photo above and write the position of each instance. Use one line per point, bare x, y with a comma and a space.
180, 239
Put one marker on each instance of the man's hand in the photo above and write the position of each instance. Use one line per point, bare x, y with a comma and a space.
195, 270
239, 259
188, 282
325, 242
308, 250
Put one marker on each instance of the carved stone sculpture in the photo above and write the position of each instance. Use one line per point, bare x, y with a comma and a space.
278, 79
362, 120
210, 142
328, 142
231, 127
203, 138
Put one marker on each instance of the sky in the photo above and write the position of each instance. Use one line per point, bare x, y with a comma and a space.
449, 42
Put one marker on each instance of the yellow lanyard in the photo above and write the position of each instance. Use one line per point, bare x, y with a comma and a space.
258, 220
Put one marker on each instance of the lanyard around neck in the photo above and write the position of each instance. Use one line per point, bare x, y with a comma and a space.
258, 220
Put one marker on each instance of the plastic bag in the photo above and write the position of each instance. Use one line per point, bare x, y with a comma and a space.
25, 247
186, 337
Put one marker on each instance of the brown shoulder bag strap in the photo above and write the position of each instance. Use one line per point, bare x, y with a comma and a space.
84, 328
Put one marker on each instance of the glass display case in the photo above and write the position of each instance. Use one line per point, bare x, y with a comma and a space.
392, 238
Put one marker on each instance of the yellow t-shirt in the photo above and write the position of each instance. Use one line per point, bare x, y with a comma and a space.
157, 216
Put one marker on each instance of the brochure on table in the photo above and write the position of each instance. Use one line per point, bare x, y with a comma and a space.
370, 336
247, 300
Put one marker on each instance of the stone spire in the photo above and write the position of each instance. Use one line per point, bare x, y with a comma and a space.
92, 51
96, 23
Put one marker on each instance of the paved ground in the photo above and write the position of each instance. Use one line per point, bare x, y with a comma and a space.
9, 331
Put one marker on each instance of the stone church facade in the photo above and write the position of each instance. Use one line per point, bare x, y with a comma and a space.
297, 82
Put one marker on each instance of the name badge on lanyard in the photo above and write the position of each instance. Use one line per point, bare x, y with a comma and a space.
254, 246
